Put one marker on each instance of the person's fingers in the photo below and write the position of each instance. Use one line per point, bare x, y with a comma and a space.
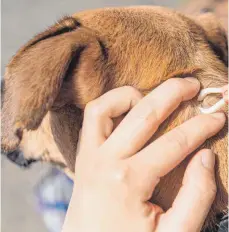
98, 114
225, 93
145, 118
165, 153
196, 195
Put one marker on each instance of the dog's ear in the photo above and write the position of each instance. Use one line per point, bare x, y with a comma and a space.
216, 35
35, 74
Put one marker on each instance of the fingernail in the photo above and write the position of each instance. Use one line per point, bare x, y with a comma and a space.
193, 80
208, 159
220, 116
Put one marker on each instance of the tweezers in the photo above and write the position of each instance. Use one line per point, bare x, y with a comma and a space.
218, 105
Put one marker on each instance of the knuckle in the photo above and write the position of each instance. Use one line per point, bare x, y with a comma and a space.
204, 118
148, 115
133, 91
211, 188
179, 139
121, 174
93, 108
204, 121
206, 186
150, 120
176, 83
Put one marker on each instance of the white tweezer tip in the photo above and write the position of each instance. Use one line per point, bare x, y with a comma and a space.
213, 108
207, 91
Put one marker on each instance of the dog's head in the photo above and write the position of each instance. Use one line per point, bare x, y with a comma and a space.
51, 79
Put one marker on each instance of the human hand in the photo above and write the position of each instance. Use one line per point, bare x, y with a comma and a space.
225, 93
114, 179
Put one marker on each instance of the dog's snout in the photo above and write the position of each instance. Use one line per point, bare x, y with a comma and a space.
18, 158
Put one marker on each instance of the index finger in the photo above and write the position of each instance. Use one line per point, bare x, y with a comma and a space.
98, 114
144, 119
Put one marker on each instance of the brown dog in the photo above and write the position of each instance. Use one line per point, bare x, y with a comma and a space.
51, 79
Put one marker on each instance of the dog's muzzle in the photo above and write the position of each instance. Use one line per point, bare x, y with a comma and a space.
18, 158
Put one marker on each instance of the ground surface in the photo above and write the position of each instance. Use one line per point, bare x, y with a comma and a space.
21, 19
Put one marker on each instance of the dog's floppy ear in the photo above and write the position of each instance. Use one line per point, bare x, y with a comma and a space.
216, 35
35, 74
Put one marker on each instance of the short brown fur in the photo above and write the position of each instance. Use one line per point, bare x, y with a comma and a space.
51, 79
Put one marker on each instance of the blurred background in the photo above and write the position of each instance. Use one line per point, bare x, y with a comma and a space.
21, 19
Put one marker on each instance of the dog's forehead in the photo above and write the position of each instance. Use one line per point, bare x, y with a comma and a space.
144, 40
135, 20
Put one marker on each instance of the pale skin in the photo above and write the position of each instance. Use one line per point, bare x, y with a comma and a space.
115, 176
225, 93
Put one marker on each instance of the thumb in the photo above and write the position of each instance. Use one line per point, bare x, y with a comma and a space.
196, 195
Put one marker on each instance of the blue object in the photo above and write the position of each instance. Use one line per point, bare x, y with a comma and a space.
53, 194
